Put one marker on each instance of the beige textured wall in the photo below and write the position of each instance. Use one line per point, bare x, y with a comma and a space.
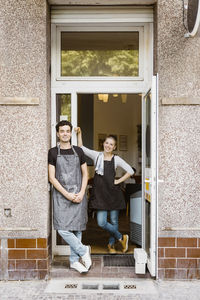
24, 134
179, 131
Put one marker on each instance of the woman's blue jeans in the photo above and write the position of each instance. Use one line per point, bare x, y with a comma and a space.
73, 239
111, 227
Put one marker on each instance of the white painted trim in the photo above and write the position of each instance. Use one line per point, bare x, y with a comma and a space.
87, 27
157, 176
95, 87
94, 78
60, 250
152, 175
148, 55
104, 19
74, 116
53, 118
102, 3
143, 170
151, 262
53, 55
101, 14
196, 25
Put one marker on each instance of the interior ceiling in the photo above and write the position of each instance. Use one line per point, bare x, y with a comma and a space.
100, 40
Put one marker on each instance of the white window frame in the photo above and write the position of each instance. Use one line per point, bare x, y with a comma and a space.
98, 19
103, 19
108, 27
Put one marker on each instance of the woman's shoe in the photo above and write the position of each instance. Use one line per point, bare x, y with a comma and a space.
111, 249
124, 243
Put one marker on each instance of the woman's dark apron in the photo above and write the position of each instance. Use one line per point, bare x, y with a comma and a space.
105, 195
66, 214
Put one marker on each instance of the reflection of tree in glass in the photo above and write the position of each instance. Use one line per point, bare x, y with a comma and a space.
65, 106
100, 63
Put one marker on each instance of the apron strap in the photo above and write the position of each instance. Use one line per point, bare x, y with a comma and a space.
114, 161
97, 160
58, 146
75, 153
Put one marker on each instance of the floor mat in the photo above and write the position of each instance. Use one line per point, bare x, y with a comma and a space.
118, 261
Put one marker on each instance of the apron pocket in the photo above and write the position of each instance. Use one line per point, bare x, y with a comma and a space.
72, 189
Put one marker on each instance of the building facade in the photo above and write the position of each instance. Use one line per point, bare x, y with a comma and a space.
28, 89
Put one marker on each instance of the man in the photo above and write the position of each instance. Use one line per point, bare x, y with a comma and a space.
68, 175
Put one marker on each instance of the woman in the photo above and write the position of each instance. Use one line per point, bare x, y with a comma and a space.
106, 194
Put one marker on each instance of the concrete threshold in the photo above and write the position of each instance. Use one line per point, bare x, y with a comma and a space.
101, 285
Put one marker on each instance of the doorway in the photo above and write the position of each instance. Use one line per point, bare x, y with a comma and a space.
91, 67
132, 119
118, 115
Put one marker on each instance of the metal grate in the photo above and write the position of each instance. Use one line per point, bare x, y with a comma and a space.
118, 261
129, 286
111, 287
104, 286
136, 233
71, 286
90, 286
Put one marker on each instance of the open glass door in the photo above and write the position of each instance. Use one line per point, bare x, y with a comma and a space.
150, 175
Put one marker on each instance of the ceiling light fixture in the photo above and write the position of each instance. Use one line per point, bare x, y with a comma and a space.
124, 98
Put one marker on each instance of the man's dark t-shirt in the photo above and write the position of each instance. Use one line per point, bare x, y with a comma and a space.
53, 152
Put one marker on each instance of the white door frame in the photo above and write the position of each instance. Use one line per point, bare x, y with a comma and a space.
120, 19
150, 176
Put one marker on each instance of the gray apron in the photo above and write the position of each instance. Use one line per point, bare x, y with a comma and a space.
66, 214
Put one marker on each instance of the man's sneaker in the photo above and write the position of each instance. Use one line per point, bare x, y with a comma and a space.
124, 243
111, 249
78, 267
86, 258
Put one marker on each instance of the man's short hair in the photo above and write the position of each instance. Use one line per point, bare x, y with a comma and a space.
63, 123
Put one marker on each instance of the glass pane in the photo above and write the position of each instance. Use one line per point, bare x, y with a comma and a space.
99, 54
147, 167
148, 131
63, 107
147, 226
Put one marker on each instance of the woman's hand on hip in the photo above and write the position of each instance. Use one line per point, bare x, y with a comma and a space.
116, 181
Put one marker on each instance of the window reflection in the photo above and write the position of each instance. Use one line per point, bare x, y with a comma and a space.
63, 107
99, 54
148, 131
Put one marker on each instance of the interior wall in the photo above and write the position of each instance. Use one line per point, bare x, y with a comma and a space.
117, 118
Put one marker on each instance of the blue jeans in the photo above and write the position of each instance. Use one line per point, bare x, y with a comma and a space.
73, 239
111, 227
